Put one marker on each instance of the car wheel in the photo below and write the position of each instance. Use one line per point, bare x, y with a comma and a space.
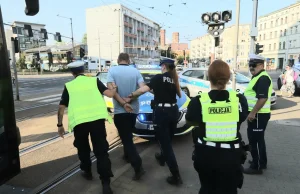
186, 91
279, 84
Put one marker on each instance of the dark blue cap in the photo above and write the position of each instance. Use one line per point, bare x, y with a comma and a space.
166, 60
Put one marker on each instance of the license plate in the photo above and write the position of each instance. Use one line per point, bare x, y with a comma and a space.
150, 127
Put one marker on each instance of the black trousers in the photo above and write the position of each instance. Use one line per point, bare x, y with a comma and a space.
125, 124
165, 122
256, 135
219, 169
96, 130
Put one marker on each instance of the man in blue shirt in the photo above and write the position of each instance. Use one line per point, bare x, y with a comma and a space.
127, 79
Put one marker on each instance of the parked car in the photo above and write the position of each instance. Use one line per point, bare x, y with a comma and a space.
196, 79
144, 124
296, 68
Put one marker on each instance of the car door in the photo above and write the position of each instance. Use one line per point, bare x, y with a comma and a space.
199, 81
184, 80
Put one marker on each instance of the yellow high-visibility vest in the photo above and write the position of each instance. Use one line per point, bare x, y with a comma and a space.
220, 118
86, 103
250, 94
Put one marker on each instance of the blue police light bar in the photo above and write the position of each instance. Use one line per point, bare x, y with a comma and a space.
152, 66
142, 117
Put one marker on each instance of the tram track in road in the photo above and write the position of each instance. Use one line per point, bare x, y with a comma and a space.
49, 113
71, 171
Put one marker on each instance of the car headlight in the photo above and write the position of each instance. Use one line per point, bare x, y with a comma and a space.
142, 117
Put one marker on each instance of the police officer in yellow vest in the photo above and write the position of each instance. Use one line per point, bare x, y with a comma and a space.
87, 113
218, 115
258, 94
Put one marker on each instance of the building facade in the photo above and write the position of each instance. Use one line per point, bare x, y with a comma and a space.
203, 48
112, 29
162, 37
175, 37
279, 32
28, 42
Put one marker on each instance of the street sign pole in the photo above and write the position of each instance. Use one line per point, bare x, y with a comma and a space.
254, 31
236, 44
15, 69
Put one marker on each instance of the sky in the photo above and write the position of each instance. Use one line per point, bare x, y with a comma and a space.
181, 16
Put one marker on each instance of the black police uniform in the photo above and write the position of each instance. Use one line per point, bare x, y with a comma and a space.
96, 129
256, 128
219, 168
165, 117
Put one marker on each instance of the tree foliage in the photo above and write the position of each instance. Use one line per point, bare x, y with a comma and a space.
84, 39
169, 54
180, 59
21, 64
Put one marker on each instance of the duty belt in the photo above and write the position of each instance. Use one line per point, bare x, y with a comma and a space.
221, 145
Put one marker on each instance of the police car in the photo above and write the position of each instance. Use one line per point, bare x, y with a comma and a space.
296, 68
144, 125
194, 80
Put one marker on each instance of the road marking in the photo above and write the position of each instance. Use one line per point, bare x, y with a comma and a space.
45, 97
51, 100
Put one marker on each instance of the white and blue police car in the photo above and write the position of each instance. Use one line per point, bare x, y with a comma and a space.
194, 80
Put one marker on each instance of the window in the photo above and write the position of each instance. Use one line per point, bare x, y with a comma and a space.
290, 44
260, 37
276, 23
274, 46
285, 20
281, 21
280, 32
271, 24
295, 43
279, 45
296, 29
283, 45
270, 47
284, 32
275, 34
199, 74
265, 25
291, 30
271, 35
260, 26
187, 73
264, 36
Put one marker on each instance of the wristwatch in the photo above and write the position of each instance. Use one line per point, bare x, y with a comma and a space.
59, 125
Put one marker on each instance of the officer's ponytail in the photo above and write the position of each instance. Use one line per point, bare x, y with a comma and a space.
171, 69
219, 74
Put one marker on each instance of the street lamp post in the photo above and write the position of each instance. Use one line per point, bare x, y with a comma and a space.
71, 31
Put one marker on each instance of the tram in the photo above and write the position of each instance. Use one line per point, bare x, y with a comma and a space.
9, 132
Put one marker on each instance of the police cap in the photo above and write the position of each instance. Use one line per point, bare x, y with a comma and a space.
167, 61
255, 59
75, 64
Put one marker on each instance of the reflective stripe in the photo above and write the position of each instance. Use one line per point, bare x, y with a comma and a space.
222, 145
220, 123
253, 98
265, 106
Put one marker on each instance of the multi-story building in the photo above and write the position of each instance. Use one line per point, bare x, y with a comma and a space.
204, 47
28, 42
112, 29
162, 37
279, 32
175, 37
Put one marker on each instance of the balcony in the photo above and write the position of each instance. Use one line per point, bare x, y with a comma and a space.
127, 44
145, 39
132, 55
140, 29
127, 24
130, 35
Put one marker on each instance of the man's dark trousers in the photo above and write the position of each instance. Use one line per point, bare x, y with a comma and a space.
96, 129
256, 135
125, 123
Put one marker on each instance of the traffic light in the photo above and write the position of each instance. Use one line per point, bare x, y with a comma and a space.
45, 34
216, 29
37, 56
226, 15
50, 58
69, 57
216, 17
57, 37
28, 30
32, 7
258, 47
16, 44
206, 18
82, 52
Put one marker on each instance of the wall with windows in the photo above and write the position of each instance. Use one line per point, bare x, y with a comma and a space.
279, 32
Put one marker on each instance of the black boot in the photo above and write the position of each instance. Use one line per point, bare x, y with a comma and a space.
138, 174
106, 188
252, 171
174, 179
87, 175
160, 159
264, 167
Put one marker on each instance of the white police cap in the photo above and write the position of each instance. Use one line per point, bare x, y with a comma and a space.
75, 64
256, 57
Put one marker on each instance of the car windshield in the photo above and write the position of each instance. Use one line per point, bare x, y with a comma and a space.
147, 77
103, 77
241, 79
